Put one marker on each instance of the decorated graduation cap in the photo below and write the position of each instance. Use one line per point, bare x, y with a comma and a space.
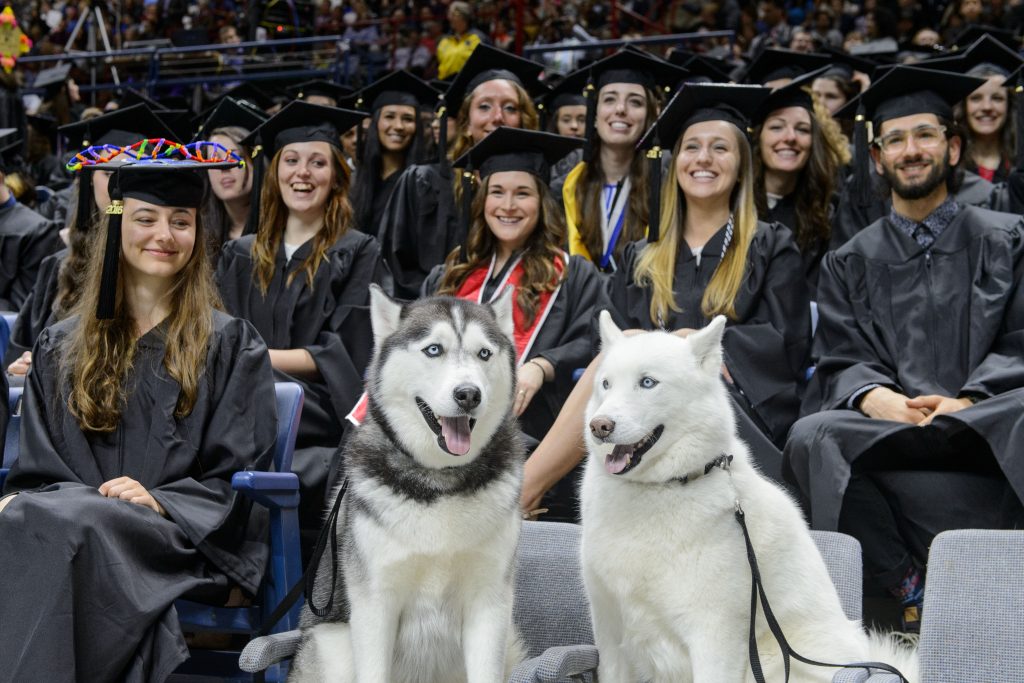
298, 122
511, 149
694, 103
773, 64
229, 112
157, 172
628, 65
793, 94
901, 91
321, 87
119, 128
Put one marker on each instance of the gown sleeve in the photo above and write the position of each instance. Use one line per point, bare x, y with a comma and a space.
37, 311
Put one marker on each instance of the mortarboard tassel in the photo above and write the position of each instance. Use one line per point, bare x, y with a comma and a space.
590, 132
1018, 95
862, 189
252, 224
107, 304
442, 142
83, 206
654, 193
467, 204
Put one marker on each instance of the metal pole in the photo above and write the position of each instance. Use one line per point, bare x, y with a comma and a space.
613, 18
520, 20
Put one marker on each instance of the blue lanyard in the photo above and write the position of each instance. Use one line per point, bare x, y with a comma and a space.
617, 230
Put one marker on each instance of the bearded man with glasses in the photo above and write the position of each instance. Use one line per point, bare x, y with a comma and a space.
920, 341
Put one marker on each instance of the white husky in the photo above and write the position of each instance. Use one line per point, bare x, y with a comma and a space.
664, 562
427, 531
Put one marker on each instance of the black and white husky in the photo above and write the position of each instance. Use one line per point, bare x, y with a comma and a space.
427, 531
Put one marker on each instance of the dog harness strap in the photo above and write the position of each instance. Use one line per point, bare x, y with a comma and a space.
722, 461
757, 591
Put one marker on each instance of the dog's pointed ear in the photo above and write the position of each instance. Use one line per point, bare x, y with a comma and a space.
706, 345
610, 332
502, 307
384, 315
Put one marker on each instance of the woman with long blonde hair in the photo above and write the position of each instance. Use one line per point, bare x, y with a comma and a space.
707, 254
515, 240
139, 409
302, 280
421, 221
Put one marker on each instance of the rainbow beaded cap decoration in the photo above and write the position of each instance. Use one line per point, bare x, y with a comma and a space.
157, 152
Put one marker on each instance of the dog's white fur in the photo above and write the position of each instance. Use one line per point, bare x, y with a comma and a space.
665, 564
432, 602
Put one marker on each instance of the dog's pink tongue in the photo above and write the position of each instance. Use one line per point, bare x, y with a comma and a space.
617, 460
455, 431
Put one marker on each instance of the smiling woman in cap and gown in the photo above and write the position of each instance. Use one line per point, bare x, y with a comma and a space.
421, 222
515, 240
139, 409
302, 280
707, 254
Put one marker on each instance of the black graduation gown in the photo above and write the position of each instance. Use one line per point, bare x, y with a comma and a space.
89, 581
766, 346
26, 238
37, 311
784, 212
56, 207
331, 320
419, 228
382, 190
949, 321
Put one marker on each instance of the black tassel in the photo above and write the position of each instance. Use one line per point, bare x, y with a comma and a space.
360, 144
107, 304
590, 132
442, 142
252, 223
467, 204
1018, 96
83, 207
654, 193
862, 191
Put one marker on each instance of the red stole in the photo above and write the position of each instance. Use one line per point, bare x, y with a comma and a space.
472, 289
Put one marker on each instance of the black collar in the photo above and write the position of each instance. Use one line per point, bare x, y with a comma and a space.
723, 461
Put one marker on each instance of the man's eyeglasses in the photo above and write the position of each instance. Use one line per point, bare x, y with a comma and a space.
925, 137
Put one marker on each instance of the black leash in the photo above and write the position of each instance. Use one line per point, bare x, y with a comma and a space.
757, 592
308, 578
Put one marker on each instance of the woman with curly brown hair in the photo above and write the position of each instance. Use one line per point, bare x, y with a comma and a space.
605, 195
140, 407
420, 224
302, 280
515, 240
799, 152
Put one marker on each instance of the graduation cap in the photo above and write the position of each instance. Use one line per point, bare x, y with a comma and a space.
229, 112
52, 77
984, 55
694, 103
247, 92
971, 33
398, 87
130, 97
10, 146
179, 121
298, 121
706, 69
773, 64
45, 126
793, 94
119, 128
511, 149
319, 87
901, 91
177, 183
844, 64
567, 93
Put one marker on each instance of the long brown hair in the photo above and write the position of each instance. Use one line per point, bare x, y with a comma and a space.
274, 215
72, 273
590, 189
215, 216
656, 266
539, 252
98, 356
815, 182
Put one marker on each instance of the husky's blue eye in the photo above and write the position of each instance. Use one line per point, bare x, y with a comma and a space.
648, 382
604, 384
485, 354
434, 350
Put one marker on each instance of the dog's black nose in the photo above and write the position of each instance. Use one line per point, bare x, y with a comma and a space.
602, 427
467, 396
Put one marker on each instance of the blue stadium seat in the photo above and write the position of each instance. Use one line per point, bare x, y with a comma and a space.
279, 492
6, 326
13, 432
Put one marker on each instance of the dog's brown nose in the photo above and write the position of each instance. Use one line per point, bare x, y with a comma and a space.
602, 427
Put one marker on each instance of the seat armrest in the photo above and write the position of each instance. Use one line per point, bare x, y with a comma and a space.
263, 652
272, 489
557, 664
